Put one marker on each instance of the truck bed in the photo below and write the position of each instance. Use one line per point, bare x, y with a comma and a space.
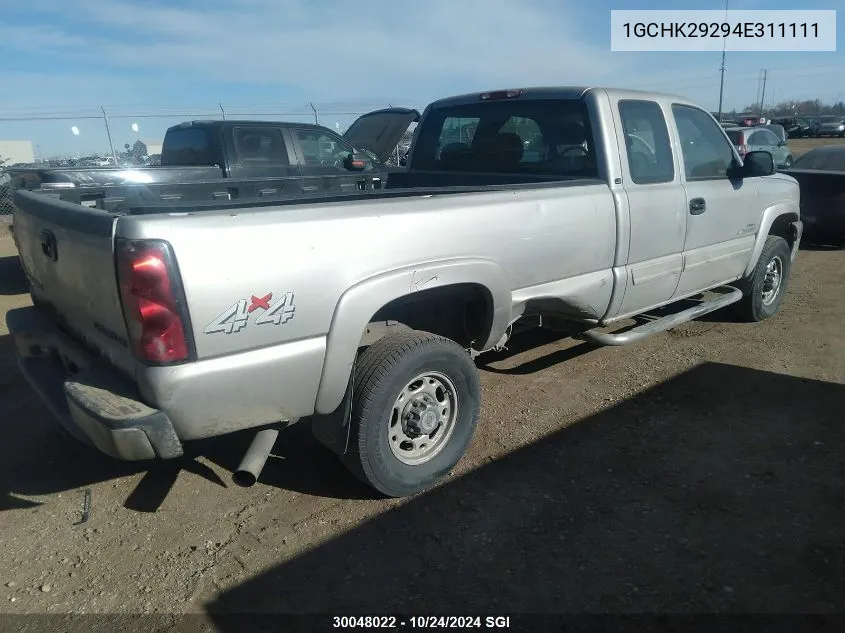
35, 177
223, 194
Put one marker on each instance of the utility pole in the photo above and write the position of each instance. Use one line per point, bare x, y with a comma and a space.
722, 68
763, 97
108, 133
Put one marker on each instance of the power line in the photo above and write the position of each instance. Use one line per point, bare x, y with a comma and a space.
722, 68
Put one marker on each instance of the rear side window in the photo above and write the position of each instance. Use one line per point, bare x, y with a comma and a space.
736, 137
647, 142
771, 138
758, 138
260, 145
549, 137
188, 146
321, 148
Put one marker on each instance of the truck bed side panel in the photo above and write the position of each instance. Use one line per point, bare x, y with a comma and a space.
244, 262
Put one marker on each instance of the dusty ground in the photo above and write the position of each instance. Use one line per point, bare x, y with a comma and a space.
802, 145
701, 470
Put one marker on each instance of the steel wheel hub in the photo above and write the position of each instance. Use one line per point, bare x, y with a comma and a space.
772, 281
423, 418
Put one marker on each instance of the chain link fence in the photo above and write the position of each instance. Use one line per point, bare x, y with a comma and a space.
6, 204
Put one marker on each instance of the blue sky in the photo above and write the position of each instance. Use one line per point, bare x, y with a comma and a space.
145, 59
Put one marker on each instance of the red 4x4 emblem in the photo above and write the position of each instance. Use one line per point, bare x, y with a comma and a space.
236, 316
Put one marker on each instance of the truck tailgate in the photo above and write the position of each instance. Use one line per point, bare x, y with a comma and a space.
67, 253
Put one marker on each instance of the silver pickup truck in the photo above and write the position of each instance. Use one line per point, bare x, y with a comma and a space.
156, 325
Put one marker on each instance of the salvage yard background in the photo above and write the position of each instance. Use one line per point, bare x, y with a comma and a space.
700, 470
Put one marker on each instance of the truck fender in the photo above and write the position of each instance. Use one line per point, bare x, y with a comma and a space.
358, 304
770, 215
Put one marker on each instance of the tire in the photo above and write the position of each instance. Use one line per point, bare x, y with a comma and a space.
754, 306
788, 162
380, 431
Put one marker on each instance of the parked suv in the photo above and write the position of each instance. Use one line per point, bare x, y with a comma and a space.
756, 139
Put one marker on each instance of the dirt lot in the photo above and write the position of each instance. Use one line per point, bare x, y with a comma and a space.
701, 470
803, 145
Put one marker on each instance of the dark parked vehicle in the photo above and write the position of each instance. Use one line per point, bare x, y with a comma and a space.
794, 126
828, 125
821, 175
201, 151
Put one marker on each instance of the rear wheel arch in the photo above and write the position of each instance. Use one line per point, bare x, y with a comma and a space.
409, 297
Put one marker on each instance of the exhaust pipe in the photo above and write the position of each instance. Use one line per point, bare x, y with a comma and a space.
256, 456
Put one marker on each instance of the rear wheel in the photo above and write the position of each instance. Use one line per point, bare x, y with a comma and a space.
415, 402
764, 289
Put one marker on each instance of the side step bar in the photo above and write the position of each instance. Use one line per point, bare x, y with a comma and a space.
728, 295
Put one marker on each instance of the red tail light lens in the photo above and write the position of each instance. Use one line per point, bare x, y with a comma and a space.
151, 304
742, 148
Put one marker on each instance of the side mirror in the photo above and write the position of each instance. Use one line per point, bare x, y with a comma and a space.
781, 143
357, 162
755, 165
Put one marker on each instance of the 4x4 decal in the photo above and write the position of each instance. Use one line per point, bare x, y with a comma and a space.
237, 316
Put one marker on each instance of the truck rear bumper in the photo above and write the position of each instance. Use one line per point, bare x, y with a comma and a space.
92, 401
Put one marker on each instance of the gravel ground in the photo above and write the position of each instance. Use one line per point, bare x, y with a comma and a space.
700, 470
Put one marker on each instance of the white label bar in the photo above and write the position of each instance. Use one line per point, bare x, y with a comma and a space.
750, 31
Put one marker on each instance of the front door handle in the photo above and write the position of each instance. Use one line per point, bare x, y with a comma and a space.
697, 206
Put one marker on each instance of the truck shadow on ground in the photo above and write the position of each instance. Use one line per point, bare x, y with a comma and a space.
298, 463
37, 457
820, 245
720, 490
12, 278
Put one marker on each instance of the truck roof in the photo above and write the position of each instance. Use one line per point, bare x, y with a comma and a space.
558, 92
218, 123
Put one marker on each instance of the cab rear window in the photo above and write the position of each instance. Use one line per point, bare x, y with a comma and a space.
188, 146
549, 137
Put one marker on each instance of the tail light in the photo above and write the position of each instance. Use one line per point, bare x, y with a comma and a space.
153, 302
742, 148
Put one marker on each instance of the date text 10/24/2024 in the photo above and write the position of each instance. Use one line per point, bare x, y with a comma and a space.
422, 622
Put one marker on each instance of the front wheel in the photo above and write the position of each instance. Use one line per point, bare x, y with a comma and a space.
415, 403
788, 162
764, 289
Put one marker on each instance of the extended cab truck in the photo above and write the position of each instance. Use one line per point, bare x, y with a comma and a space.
165, 324
312, 156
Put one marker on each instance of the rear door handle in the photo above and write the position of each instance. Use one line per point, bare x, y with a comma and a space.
697, 206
